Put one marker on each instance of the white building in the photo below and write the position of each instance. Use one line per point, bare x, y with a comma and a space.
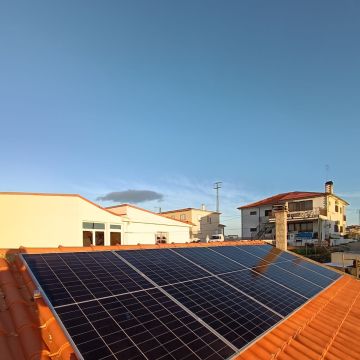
311, 215
146, 227
204, 223
50, 220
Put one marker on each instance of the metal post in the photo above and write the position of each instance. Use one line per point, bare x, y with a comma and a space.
217, 186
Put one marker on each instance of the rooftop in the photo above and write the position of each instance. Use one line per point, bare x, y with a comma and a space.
326, 327
281, 198
188, 209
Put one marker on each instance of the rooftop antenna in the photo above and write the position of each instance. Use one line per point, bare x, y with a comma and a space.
217, 186
159, 208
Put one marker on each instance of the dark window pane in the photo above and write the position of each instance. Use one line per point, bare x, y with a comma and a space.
87, 238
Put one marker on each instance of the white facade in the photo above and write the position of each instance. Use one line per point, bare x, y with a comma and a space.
203, 223
145, 227
51, 220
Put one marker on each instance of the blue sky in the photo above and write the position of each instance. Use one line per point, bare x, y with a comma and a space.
171, 96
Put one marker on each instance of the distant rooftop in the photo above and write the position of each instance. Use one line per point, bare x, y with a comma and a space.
281, 198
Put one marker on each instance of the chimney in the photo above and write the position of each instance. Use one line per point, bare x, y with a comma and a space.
203, 207
329, 187
280, 212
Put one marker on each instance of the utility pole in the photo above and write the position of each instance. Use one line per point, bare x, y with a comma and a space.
217, 186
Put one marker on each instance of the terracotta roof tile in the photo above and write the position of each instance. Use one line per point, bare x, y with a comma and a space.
279, 198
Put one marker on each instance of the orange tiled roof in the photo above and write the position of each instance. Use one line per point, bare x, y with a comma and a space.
281, 198
326, 327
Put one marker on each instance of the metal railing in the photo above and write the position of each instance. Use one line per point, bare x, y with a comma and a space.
305, 214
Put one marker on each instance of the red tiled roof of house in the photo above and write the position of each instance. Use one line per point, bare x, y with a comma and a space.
280, 198
326, 327
293, 195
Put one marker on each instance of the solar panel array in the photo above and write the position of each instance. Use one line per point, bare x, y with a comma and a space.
181, 303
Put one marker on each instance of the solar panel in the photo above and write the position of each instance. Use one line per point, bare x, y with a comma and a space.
317, 269
163, 266
181, 303
141, 325
74, 277
246, 258
272, 254
232, 314
210, 260
290, 280
295, 268
277, 297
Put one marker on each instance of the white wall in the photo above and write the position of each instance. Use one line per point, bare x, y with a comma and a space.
252, 221
141, 227
48, 220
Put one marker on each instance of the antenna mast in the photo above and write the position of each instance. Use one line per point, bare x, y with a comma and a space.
217, 186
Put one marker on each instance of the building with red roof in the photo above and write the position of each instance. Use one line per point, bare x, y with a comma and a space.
311, 215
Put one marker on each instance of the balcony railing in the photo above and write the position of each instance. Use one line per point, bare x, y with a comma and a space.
303, 215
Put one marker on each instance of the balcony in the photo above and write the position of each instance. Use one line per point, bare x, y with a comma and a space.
303, 215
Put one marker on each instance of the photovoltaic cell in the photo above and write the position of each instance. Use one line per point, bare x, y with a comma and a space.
209, 260
317, 269
272, 254
303, 272
74, 277
270, 293
293, 282
236, 317
163, 266
246, 258
142, 325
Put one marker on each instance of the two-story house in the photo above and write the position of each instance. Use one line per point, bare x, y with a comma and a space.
204, 223
315, 215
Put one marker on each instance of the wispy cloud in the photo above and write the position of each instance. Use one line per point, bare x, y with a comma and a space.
132, 196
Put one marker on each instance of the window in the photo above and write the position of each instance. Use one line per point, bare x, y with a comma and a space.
252, 212
183, 217
301, 205
252, 229
92, 234
115, 234
208, 219
99, 238
87, 238
306, 227
267, 212
92, 225
291, 227
336, 208
336, 228
161, 237
340, 210
341, 229
115, 238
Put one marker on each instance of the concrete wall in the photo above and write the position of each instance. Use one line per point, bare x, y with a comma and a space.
48, 220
